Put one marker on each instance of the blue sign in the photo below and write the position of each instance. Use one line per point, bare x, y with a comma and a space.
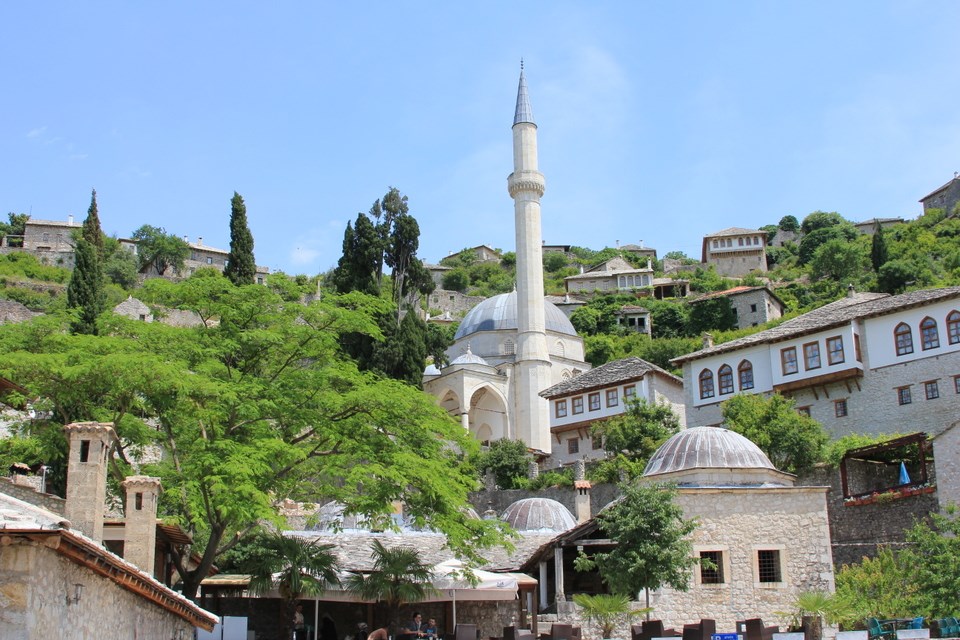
725, 636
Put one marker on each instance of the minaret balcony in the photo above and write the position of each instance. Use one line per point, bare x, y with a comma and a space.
526, 181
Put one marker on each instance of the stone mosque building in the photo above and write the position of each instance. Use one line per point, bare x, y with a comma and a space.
512, 346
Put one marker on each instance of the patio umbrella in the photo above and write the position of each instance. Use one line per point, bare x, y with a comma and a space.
904, 476
451, 582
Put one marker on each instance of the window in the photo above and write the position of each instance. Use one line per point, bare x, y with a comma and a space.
209, 260
956, 384
929, 335
706, 384
740, 242
711, 567
597, 442
577, 405
629, 393
856, 347
745, 373
560, 409
835, 350
804, 411
931, 390
753, 308
725, 379
788, 360
613, 397
903, 396
953, 327
768, 565
594, 400
903, 338
811, 355
840, 408
573, 445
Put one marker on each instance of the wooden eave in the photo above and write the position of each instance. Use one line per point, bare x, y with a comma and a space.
88, 554
826, 378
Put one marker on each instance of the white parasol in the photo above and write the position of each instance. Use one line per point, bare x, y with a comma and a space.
454, 581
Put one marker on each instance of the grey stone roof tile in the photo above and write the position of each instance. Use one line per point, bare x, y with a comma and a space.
615, 372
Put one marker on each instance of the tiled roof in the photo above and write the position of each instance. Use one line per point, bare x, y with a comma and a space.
938, 189
733, 231
839, 312
53, 223
605, 375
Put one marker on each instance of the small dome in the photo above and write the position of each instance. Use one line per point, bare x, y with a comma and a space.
706, 447
469, 358
431, 370
500, 312
539, 514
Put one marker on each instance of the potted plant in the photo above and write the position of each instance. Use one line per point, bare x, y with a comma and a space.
606, 610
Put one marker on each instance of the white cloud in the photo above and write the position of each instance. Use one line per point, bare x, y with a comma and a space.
36, 133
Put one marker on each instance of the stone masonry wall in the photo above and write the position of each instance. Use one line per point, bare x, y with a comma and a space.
29, 494
600, 496
946, 451
34, 584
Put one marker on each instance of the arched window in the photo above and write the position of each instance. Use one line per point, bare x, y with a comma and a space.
745, 373
903, 338
929, 336
706, 383
953, 327
725, 379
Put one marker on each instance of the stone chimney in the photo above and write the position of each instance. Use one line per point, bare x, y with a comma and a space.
582, 486
200, 240
707, 339
90, 444
850, 290
533, 470
140, 522
70, 219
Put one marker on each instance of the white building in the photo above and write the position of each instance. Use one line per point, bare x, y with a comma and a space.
615, 274
602, 393
735, 251
867, 363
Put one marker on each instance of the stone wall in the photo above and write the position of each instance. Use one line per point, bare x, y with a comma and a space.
454, 302
600, 496
31, 495
946, 451
35, 582
857, 530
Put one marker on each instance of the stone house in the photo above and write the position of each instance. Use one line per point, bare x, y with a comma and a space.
134, 309
633, 317
752, 305
735, 252
51, 241
602, 393
869, 227
58, 580
481, 253
453, 302
566, 303
867, 363
945, 197
640, 251
613, 275
200, 256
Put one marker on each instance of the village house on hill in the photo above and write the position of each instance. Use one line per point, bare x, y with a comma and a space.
753, 305
735, 252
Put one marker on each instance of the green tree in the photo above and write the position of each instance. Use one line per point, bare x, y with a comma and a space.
652, 544
357, 269
91, 231
879, 253
554, 261
159, 250
241, 267
508, 460
295, 567
789, 223
119, 264
606, 609
838, 260
85, 292
398, 577
793, 442
633, 436
712, 314
934, 561
15, 226
879, 587
823, 228
456, 279
896, 275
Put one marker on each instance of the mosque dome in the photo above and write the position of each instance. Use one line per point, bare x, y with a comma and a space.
500, 312
469, 358
431, 370
539, 515
706, 447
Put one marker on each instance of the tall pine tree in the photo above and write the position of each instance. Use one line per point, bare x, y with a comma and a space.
91, 231
878, 249
241, 266
85, 290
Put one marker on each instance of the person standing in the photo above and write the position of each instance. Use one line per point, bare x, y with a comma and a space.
299, 627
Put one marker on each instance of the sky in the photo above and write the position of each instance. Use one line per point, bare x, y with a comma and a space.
658, 122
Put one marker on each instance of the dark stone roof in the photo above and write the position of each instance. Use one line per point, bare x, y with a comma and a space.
733, 231
616, 372
839, 312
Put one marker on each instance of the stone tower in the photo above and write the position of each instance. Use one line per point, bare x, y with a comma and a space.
90, 444
526, 185
140, 521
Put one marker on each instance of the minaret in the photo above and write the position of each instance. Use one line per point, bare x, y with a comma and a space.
526, 186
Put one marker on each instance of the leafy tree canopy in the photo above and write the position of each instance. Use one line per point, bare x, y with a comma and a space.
159, 250
508, 460
634, 436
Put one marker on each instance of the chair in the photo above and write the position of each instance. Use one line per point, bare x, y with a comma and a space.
702, 630
466, 632
756, 630
877, 629
558, 631
512, 633
917, 623
650, 629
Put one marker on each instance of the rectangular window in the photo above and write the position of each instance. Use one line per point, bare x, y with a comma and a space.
903, 395
578, 405
573, 445
956, 384
811, 355
835, 350
753, 308
856, 347
560, 409
597, 442
840, 408
711, 567
768, 565
613, 397
629, 393
804, 411
788, 360
594, 399
931, 390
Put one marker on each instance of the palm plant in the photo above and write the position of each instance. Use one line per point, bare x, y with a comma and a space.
398, 577
606, 610
295, 567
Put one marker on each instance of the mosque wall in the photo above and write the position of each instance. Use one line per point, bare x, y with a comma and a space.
748, 526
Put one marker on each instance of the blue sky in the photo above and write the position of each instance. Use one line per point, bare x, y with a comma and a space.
658, 121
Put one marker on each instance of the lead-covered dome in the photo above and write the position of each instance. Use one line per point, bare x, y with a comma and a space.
500, 312
704, 448
539, 515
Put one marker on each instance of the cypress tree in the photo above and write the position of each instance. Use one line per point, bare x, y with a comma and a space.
85, 290
878, 250
91, 231
241, 266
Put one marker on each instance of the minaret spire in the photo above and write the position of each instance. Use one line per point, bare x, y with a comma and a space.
526, 185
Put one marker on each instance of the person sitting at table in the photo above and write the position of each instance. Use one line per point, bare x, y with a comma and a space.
416, 626
430, 629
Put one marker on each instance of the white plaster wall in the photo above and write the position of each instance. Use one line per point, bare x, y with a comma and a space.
759, 356
878, 332
34, 583
849, 355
